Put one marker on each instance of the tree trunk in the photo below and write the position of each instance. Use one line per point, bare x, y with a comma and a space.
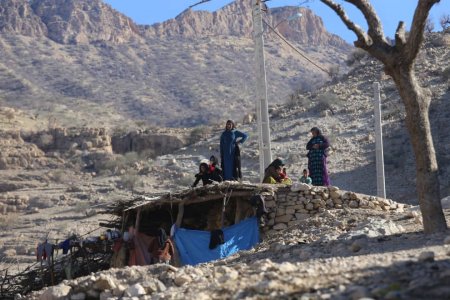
417, 102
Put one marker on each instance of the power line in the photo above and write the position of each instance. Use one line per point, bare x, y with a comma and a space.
296, 49
282, 37
198, 3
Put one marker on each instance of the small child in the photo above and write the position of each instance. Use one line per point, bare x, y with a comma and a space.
305, 178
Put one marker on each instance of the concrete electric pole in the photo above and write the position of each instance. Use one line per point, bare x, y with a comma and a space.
262, 108
381, 189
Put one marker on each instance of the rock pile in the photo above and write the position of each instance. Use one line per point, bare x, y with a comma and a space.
15, 153
13, 203
309, 261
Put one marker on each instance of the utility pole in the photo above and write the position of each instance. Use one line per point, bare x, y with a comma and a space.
262, 108
381, 189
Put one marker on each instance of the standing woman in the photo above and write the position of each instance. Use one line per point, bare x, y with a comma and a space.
317, 159
228, 143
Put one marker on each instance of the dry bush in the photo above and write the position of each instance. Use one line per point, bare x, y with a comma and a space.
9, 113
334, 71
130, 181
328, 101
446, 74
199, 133
297, 100
429, 26
8, 222
444, 21
59, 176
45, 141
355, 57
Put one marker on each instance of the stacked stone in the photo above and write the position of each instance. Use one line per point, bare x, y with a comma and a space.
15, 153
290, 206
13, 203
84, 138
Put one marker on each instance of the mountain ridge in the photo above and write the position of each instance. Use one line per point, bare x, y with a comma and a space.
83, 56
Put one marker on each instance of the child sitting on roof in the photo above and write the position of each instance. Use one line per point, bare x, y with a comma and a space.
214, 170
305, 178
275, 173
206, 176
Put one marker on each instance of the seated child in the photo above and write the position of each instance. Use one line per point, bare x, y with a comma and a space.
206, 176
276, 174
214, 170
305, 178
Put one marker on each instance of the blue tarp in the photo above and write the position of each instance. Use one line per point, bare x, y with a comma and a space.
193, 245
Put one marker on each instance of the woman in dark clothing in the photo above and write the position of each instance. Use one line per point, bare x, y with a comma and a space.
206, 176
317, 159
202, 175
229, 139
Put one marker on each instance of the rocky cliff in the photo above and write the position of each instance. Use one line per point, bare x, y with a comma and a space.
17, 16
75, 21
91, 60
83, 21
235, 19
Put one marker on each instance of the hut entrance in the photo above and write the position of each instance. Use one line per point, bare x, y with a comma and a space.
207, 216
151, 220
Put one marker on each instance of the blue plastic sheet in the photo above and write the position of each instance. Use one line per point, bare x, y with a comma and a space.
193, 245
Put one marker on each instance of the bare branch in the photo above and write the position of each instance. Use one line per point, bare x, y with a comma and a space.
444, 21
373, 21
415, 37
429, 26
363, 40
400, 35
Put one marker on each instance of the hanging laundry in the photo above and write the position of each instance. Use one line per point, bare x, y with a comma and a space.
65, 246
44, 251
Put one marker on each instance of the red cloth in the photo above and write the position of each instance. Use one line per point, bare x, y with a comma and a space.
139, 255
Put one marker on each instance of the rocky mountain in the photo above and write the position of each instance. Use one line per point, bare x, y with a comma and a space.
84, 63
235, 19
18, 17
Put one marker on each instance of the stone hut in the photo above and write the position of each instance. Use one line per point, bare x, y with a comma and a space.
209, 207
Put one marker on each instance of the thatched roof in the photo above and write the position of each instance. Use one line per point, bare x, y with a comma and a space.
194, 195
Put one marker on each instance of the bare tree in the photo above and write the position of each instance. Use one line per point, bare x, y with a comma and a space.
429, 26
398, 61
444, 21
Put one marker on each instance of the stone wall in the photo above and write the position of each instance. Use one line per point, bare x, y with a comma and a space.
16, 153
289, 206
153, 143
66, 139
13, 203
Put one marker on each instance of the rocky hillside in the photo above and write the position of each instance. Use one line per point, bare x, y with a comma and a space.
84, 63
338, 254
345, 112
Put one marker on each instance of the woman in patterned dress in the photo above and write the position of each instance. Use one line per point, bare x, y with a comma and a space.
317, 159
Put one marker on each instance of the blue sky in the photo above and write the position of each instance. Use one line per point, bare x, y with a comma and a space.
390, 11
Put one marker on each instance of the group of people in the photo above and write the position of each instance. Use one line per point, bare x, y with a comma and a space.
230, 163
230, 158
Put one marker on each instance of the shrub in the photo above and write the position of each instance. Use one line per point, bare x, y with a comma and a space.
9, 113
45, 141
355, 57
296, 100
328, 101
446, 74
130, 181
199, 133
